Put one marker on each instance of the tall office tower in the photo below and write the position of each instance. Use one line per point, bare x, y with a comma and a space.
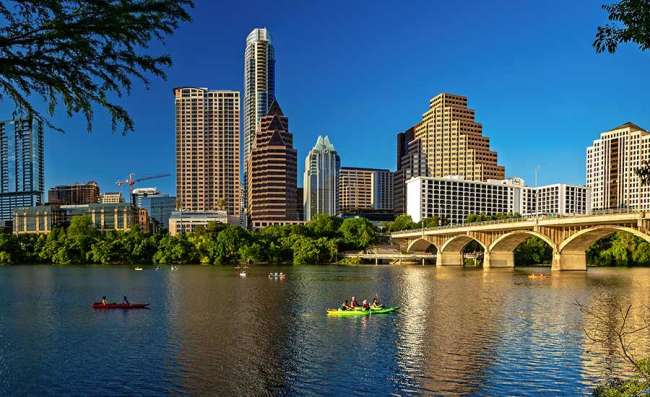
611, 164
21, 165
411, 163
452, 141
272, 172
207, 149
362, 189
75, 194
259, 89
320, 184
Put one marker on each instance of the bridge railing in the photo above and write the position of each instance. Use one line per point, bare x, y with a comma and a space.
608, 211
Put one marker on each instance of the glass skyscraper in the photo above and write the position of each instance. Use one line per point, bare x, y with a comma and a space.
21, 165
322, 167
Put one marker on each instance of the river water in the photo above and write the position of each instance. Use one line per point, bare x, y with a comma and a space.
209, 332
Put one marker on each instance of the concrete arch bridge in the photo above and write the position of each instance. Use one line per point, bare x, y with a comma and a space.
568, 237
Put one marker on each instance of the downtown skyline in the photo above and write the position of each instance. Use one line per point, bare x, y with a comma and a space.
370, 96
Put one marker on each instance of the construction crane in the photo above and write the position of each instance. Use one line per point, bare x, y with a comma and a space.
131, 181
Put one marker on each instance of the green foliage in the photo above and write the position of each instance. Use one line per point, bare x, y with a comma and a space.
80, 53
632, 19
357, 233
401, 222
619, 249
473, 218
638, 386
221, 244
533, 251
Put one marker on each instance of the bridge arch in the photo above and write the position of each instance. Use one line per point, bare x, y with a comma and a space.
420, 245
582, 240
458, 242
572, 251
510, 241
451, 252
501, 251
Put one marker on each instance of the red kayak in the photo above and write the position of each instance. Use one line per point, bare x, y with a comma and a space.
99, 305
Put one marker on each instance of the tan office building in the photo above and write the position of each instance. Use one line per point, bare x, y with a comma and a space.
207, 150
272, 172
78, 193
453, 143
611, 164
365, 189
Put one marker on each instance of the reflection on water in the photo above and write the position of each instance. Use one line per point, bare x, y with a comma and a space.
210, 332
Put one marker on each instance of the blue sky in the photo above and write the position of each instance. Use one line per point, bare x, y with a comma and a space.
360, 71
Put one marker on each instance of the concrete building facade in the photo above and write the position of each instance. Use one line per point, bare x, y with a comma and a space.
111, 198
272, 189
188, 221
42, 219
612, 161
207, 149
453, 198
320, 182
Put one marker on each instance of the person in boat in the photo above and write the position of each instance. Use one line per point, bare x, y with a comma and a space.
353, 302
366, 305
345, 305
104, 300
376, 304
125, 301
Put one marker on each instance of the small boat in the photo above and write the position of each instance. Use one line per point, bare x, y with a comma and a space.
125, 306
539, 276
360, 312
174, 268
242, 274
138, 269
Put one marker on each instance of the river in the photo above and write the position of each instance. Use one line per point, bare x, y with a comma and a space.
209, 332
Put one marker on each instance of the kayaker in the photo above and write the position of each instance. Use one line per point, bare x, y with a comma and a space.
126, 301
366, 306
104, 300
345, 305
353, 302
375, 303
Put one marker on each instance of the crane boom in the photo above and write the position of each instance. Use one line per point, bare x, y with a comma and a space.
131, 181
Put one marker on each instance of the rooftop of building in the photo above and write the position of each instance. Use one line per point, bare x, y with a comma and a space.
630, 125
365, 169
258, 34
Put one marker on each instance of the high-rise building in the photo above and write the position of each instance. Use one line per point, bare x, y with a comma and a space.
410, 163
272, 172
259, 89
453, 142
77, 193
322, 167
365, 189
21, 166
612, 161
207, 150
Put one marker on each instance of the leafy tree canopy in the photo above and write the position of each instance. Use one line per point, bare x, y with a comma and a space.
630, 23
80, 53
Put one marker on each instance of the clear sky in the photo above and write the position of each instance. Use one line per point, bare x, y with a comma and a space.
360, 71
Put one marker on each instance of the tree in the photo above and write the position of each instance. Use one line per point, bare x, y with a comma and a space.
79, 53
323, 225
533, 251
632, 22
357, 233
401, 222
643, 172
225, 250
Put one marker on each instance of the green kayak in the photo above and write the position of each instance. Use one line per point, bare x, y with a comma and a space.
359, 312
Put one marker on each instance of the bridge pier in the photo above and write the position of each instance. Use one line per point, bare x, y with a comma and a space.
449, 259
570, 260
495, 259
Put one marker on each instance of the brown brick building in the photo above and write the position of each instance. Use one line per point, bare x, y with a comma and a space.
75, 194
272, 172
